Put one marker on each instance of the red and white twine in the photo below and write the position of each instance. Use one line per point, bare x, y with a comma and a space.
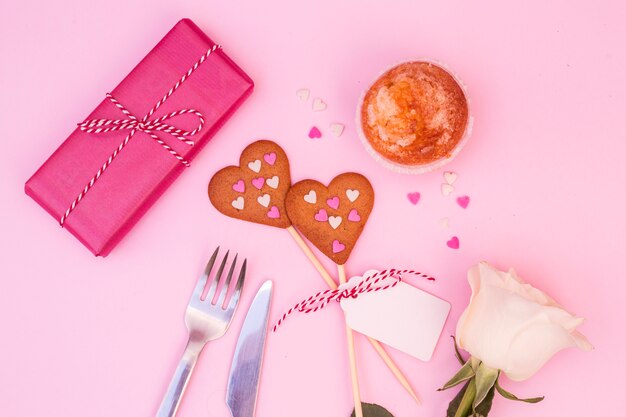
145, 125
323, 298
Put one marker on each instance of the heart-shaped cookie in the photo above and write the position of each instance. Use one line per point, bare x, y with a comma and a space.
333, 217
255, 190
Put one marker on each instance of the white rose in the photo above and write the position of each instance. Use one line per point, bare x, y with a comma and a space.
512, 326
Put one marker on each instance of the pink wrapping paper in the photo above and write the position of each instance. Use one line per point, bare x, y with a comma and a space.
143, 170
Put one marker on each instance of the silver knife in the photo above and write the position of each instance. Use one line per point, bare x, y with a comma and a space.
243, 380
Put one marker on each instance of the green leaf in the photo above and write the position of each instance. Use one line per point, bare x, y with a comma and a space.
475, 363
485, 406
373, 410
457, 352
485, 379
510, 396
456, 401
481, 411
465, 373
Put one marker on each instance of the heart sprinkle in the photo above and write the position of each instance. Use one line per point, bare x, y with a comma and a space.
353, 216
303, 94
336, 129
444, 222
238, 203
270, 158
258, 182
414, 197
255, 165
450, 177
272, 182
264, 200
338, 246
453, 243
352, 195
273, 213
239, 186
319, 105
333, 202
463, 201
315, 133
321, 216
334, 221
311, 197
446, 189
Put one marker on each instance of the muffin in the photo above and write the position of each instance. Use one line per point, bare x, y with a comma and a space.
415, 116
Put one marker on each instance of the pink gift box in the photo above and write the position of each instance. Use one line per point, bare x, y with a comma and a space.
143, 169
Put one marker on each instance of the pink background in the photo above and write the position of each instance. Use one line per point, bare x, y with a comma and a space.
544, 170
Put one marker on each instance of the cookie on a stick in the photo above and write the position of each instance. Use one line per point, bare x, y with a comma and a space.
255, 190
332, 218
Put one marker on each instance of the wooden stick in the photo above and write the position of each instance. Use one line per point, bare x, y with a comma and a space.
395, 370
309, 254
356, 395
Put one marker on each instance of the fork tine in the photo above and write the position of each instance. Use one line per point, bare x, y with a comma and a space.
217, 278
237, 293
197, 292
224, 292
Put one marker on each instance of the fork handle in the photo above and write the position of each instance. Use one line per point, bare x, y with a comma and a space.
179, 381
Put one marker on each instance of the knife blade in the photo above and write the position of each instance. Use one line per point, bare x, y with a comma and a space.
245, 370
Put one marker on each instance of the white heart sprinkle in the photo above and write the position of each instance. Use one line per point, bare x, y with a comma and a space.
446, 189
352, 195
238, 203
336, 129
450, 177
303, 94
319, 105
444, 222
311, 197
272, 182
264, 200
334, 221
255, 165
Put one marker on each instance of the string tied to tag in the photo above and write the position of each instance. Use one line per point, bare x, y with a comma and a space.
373, 283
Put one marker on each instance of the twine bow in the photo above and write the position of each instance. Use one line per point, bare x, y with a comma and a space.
144, 125
147, 126
373, 283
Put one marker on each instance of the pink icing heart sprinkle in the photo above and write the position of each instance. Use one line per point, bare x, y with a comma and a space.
463, 201
258, 182
338, 246
414, 197
315, 133
270, 158
453, 243
321, 216
273, 213
333, 202
239, 186
353, 216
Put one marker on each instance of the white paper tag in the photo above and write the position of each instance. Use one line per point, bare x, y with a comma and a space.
403, 317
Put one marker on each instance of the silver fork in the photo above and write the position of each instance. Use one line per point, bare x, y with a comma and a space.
205, 321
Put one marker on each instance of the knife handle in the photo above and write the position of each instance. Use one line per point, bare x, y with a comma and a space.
177, 386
